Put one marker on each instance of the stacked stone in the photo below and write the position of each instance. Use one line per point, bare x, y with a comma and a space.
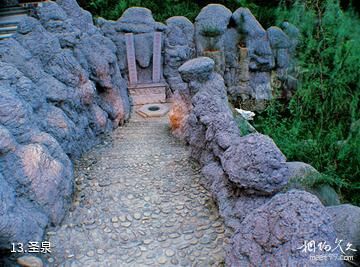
245, 175
245, 54
60, 89
179, 47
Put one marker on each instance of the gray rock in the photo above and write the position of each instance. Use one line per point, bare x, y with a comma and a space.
210, 28
346, 220
198, 69
277, 38
260, 54
256, 165
212, 20
303, 176
274, 233
143, 44
7, 141
179, 47
181, 25
293, 34
20, 220
136, 20
300, 170
81, 18
56, 97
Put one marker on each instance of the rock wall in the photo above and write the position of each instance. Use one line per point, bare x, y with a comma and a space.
60, 88
248, 57
247, 175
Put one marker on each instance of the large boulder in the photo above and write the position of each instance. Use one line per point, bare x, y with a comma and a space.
179, 47
210, 27
256, 165
256, 40
346, 220
304, 176
277, 233
198, 69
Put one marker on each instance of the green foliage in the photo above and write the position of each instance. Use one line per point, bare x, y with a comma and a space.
162, 9
312, 127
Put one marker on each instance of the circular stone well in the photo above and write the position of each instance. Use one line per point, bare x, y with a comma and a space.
153, 110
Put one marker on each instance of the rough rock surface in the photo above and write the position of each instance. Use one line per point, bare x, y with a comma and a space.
274, 234
303, 176
243, 173
198, 69
179, 47
256, 164
214, 137
56, 97
346, 219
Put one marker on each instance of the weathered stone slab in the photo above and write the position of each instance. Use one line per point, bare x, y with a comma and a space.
156, 57
130, 55
148, 93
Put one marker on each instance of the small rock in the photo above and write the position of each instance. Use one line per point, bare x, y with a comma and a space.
90, 253
169, 252
137, 216
147, 241
122, 218
100, 251
114, 219
162, 260
126, 224
30, 261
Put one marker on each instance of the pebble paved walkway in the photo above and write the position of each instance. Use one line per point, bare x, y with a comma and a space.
139, 203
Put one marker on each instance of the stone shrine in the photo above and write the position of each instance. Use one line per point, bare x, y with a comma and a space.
145, 92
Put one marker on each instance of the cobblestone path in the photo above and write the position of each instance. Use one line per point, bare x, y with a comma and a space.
139, 203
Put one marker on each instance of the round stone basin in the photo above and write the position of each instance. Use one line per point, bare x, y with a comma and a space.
153, 110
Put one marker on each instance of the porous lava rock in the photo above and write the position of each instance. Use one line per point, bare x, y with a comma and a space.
275, 234
56, 97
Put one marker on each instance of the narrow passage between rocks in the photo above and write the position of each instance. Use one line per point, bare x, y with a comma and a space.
139, 203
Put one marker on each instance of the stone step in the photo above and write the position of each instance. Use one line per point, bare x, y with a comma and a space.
4, 24
5, 36
4, 9
8, 29
12, 19
13, 11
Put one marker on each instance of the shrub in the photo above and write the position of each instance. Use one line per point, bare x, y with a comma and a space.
314, 125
